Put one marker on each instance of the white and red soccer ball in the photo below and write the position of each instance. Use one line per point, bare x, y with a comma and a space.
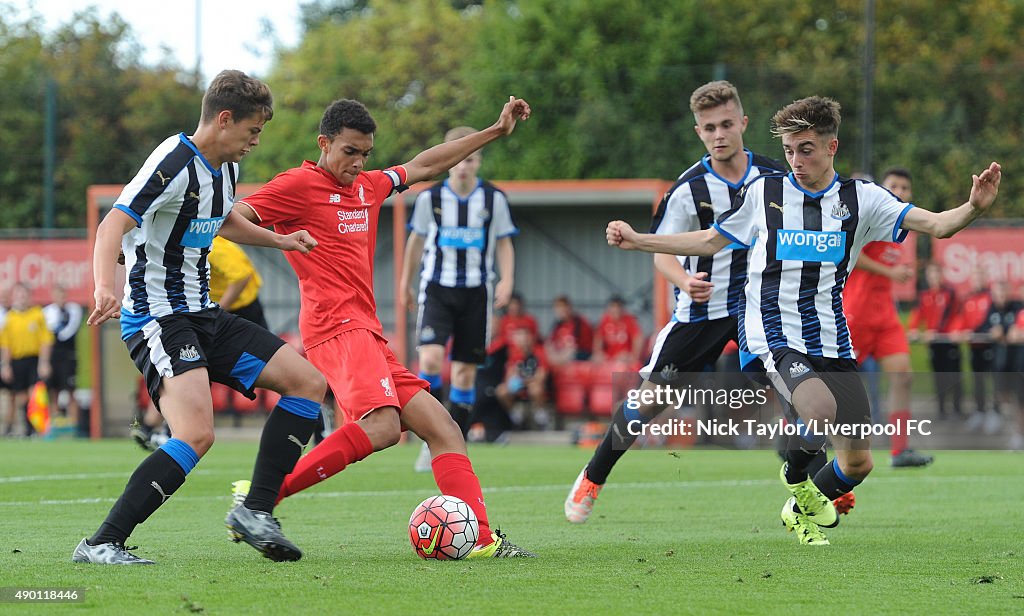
443, 528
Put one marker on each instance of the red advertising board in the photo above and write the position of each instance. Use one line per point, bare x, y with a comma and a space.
43, 264
998, 252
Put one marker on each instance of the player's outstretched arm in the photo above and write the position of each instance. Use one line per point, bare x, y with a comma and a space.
692, 243
984, 188
239, 229
442, 157
104, 261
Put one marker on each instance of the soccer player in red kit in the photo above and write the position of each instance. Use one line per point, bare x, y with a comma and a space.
339, 203
875, 327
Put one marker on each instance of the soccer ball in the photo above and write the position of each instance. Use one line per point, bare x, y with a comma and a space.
443, 528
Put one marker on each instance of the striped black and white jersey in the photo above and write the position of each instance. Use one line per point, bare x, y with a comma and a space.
179, 202
693, 203
802, 247
460, 234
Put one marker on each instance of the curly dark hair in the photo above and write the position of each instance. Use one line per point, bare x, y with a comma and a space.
346, 113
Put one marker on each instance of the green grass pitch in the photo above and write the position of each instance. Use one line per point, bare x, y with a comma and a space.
674, 532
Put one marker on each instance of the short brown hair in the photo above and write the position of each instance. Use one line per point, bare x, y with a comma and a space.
815, 113
238, 93
712, 95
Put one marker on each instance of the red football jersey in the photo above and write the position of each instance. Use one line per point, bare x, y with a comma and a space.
617, 335
336, 278
868, 296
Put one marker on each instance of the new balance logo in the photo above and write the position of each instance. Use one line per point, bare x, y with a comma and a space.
163, 495
335, 198
775, 205
798, 369
320, 472
188, 353
387, 387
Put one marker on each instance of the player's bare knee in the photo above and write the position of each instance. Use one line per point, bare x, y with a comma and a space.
199, 439
817, 410
383, 427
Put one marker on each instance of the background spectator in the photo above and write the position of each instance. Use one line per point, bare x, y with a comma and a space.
516, 317
25, 345
572, 336
618, 336
64, 319
936, 311
526, 382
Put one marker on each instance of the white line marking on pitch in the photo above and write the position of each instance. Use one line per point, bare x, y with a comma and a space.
417, 492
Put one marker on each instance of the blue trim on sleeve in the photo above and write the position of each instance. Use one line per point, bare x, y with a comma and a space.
841, 475
509, 234
433, 379
302, 407
182, 453
247, 369
128, 210
462, 396
896, 235
729, 236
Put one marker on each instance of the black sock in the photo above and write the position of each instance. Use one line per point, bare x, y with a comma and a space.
460, 413
832, 482
284, 436
615, 443
150, 486
800, 454
819, 462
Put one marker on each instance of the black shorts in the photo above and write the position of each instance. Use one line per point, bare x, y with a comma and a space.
253, 312
462, 313
688, 347
233, 350
787, 368
63, 369
25, 373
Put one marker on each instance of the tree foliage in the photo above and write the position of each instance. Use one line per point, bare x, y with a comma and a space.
111, 111
609, 83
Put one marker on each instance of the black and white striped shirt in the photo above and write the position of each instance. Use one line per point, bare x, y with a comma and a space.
693, 203
179, 202
460, 234
802, 248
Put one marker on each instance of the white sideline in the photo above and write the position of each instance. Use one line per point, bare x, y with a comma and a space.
419, 492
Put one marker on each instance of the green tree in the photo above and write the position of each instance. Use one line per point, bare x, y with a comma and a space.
111, 111
400, 59
609, 82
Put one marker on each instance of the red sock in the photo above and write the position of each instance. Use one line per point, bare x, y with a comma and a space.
898, 442
346, 445
454, 475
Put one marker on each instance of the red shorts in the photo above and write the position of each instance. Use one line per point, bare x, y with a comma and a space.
363, 373
878, 338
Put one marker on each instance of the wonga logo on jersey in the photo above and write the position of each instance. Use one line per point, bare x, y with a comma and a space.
201, 231
461, 237
817, 246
